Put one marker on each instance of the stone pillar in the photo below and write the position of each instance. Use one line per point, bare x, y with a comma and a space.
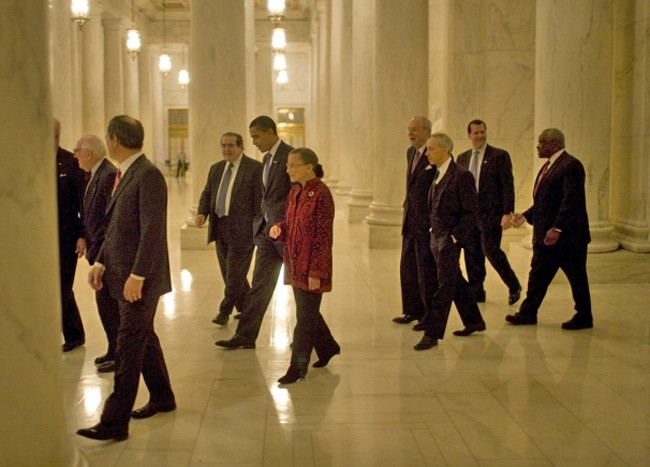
61, 71
113, 64
251, 67
438, 111
131, 83
264, 80
361, 148
33, 431
341, 100
399, 94
312, 134
218, 90
146, 98
630, 171
92, 76
159, 131
323, 92
573, 92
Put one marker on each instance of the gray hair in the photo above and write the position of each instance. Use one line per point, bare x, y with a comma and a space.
426, 123
552, 134
444, 140
94, 143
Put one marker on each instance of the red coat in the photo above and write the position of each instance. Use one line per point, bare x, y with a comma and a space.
307, 233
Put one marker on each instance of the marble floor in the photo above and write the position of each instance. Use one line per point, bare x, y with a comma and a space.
533, 395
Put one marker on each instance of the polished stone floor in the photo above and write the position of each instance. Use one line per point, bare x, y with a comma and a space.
511, 396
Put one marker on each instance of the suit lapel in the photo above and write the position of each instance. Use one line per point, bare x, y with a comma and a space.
124, 182
238, 177
422, 164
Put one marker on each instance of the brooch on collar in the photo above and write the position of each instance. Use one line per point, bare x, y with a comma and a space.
311, 193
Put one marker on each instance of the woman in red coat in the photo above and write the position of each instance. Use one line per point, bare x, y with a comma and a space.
307, 236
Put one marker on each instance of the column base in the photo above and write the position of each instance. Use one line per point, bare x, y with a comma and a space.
632, 237
193, 237
343, 189
359, 205
383, 227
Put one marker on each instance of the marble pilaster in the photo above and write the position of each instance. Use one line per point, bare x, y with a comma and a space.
33, 431
438, 110
361, 173
92, 76
397, 99
218, 90
323, 91
145, 100
630, 169
568, 95
131, 84
341, 102
113, 68
159, 133
263, 79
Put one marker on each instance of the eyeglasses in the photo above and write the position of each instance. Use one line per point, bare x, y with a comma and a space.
294, 166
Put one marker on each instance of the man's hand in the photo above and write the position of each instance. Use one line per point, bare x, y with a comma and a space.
133, 289
80, 247
518, 220
274, 233
314, 283
506, 221
199, 220
552, 236
95, 278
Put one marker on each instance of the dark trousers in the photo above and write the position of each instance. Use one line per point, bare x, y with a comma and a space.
491, 249
138, 351
109, 313
572, 259
268, 263
475, 263
417, 275
72, 326
452, 287
234, 256
311, 331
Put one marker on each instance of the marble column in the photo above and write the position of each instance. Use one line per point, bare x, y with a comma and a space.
263, 79
218, 91
61, 71
251, 66
33, 431
630, 170
145, 100
341, 101
312, 135
439, 53
573, 92
113, 68
400, 90
361, 148
92, 73
159, 131
131, 83
323, 92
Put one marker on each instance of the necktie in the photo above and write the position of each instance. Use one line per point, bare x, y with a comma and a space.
118, 177
416, 160
540, 177
267, 167
473, 167
223, 190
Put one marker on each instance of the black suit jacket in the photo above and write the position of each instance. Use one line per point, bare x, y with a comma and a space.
496, 189
245, 198
274, 196
453, 205
416, 207
136, 231
71, 183
560, 202
93, 211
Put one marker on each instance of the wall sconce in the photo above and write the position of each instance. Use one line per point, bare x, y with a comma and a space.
79, 10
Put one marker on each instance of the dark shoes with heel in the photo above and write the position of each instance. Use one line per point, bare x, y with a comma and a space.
293, 375
325, 360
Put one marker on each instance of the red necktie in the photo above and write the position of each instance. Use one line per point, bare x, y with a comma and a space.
540, 177
118, 177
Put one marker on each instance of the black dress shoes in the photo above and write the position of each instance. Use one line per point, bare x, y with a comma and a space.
514, 296
68, 346
324, 361
103, 359
420, 326
405, 319
519, 319
293, 375
106, 367
237, 316
235, 343
478, 327
221, 319
103, 433
152, 408
575, 325
426, 343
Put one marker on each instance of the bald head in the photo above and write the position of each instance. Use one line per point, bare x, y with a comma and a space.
89, 151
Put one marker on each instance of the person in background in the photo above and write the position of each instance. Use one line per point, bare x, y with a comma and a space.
307, 233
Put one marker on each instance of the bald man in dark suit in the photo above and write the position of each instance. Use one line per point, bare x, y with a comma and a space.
231, 199
133, 263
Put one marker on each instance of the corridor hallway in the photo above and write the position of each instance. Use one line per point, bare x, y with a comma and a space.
531, 395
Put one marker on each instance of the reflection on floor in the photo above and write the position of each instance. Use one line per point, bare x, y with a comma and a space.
533, 395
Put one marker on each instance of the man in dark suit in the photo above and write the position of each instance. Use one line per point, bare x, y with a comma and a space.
268, 258
452, 216
231, 199
417, 265
560, 232
133, 264
492, 171
90, 153
71, 184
